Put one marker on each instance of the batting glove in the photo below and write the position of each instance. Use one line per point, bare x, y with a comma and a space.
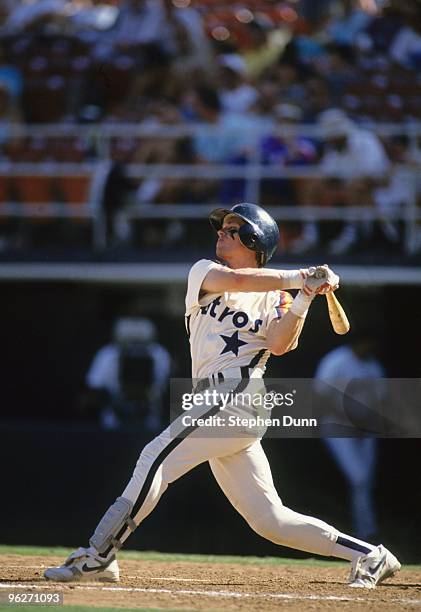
321, 280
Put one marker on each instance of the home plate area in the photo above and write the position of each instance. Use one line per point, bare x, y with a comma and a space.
192, 585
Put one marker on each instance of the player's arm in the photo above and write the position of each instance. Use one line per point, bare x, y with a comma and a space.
222, 278
283, 332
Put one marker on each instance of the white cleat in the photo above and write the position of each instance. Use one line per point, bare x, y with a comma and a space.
81, 565
370, 570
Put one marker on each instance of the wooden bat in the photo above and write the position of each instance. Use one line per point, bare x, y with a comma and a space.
337, 314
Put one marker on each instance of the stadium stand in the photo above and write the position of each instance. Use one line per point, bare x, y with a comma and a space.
78, 97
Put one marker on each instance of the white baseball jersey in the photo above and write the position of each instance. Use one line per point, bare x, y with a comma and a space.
228, 329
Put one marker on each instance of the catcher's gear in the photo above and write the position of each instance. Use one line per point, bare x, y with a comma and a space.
117, 515
260, 232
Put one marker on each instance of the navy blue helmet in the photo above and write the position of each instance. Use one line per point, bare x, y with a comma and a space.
260, 232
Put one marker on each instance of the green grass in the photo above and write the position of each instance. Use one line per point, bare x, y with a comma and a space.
177, 557
166, 557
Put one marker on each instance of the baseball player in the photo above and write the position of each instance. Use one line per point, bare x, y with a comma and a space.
237, 314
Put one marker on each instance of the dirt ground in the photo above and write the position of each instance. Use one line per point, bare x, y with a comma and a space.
218, 586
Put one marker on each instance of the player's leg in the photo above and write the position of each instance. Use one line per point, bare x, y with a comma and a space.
162, 461
246, 479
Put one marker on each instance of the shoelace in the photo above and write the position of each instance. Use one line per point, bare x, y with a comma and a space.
77, 554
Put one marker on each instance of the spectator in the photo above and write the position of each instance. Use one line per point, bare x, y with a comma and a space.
140, 28
400, 192
285, 149
225, 137
235, 93
165, 233
356, 457
344, 28
155, 31
338, 70
405, 48
10, 120
291, 80
379, 33
33, 15
128, 377
188, 42
156, 52
169, 190
317, 97
89, 20
414, 158
353, 164
264, 49
290, 149
166, 46
136, 53
10, 76
116, 188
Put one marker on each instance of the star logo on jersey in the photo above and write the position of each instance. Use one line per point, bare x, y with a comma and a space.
232, 343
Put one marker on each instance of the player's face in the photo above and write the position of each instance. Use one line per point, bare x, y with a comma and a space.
229, 247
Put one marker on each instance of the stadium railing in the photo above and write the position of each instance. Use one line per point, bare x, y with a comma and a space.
85, 202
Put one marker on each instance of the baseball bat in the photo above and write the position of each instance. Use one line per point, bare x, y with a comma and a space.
337, 314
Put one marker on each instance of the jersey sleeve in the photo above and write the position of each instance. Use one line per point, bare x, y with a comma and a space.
196, 276
280, 303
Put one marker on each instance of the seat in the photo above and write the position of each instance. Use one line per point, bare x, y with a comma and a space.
3, 189
73, 191
4, 192
33, 189
34, 192
67, 149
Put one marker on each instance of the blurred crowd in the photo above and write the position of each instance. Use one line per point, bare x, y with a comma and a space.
247, 76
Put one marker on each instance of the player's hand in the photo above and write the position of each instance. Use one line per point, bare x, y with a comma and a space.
320, 280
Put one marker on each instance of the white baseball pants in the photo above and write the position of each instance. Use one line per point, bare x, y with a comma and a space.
241, 469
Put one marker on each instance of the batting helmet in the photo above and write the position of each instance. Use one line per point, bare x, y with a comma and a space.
260, 232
